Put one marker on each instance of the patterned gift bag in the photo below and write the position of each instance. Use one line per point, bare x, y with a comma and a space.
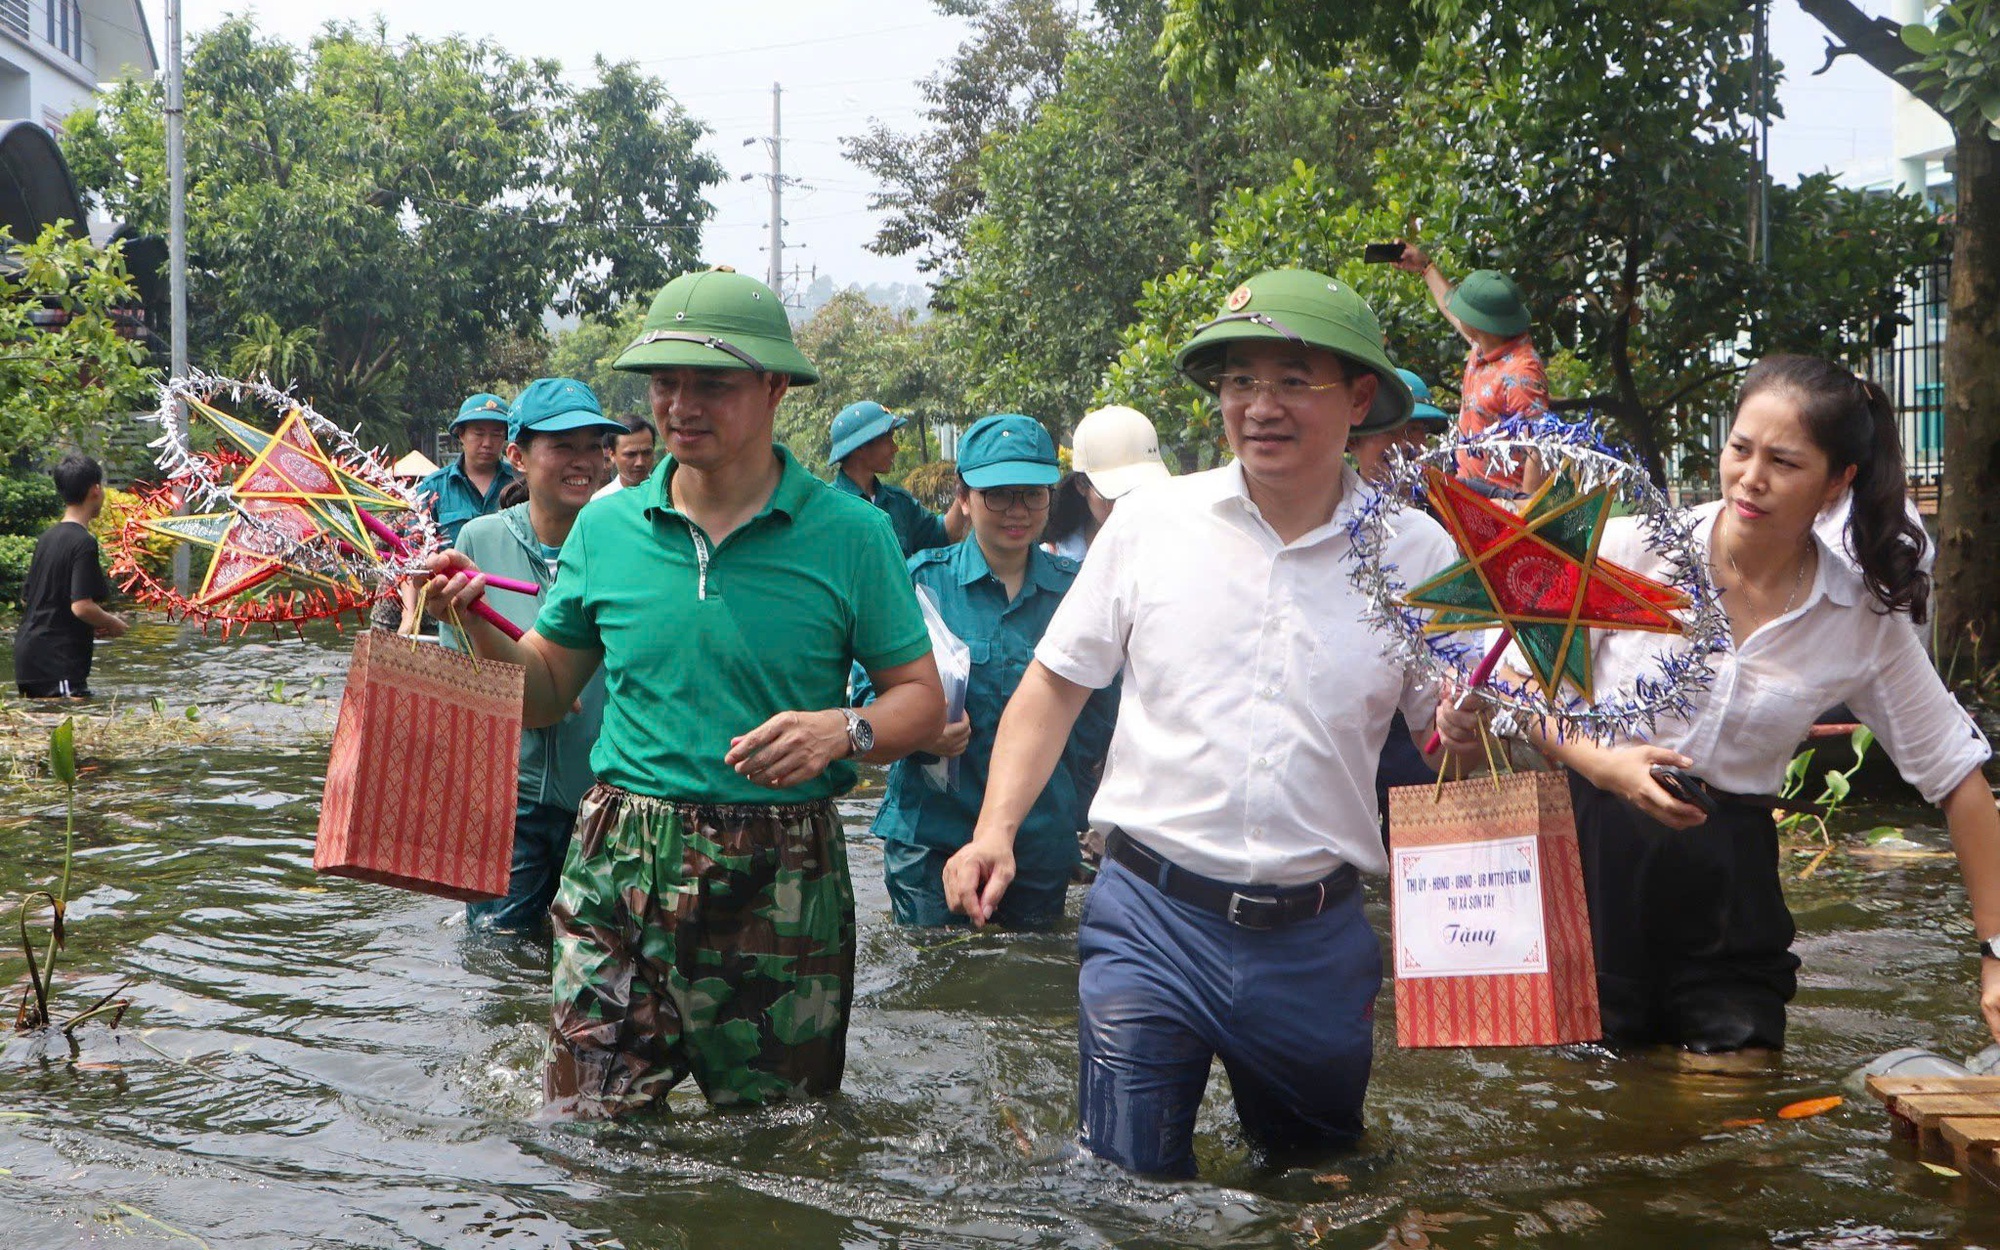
420, 783
1492, 931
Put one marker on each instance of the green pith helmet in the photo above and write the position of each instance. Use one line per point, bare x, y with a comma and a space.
859, 424
1488, 300
717, 319
1300, 306
485, 406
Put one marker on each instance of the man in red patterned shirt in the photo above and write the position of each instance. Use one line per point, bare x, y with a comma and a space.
1503, 375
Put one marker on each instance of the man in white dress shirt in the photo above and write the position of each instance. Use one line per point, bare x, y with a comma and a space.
1227, 918
632, 455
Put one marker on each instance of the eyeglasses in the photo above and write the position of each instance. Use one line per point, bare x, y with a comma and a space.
1004, 498
1243, 387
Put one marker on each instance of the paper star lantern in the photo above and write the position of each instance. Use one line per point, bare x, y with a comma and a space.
290, 519
289, 466
1538, 575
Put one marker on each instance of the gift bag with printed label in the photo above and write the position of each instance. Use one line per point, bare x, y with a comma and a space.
421, 779
1491, 928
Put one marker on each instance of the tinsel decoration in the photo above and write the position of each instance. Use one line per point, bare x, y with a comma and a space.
286, 520
1533, 569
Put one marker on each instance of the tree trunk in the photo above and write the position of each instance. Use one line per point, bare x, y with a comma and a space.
1968, 571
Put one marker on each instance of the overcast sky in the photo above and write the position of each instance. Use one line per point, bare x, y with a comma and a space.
844, 61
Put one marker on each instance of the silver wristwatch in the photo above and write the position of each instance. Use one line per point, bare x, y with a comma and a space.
860, 734
1989, 948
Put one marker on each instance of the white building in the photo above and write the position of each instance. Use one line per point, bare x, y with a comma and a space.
54, 53
1922, 140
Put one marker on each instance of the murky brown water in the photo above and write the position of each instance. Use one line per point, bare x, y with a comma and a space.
322, 1063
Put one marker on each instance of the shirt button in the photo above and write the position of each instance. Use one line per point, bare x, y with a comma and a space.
1263, 762
1270, 692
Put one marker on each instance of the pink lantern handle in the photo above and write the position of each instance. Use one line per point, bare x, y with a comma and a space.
1478, 679
480, 608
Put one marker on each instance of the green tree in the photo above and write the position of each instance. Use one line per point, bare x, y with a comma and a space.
866, 351
414, 206
1614, 198
586, 352
65, 383
991, 86
1107, 186
1953, 65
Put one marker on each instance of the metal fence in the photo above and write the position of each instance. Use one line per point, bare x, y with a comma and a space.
1912, 372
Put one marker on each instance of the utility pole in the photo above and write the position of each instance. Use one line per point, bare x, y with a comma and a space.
177, 236
777, 143
1760, 193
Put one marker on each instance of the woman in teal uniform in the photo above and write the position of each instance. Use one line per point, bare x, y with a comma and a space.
997, 590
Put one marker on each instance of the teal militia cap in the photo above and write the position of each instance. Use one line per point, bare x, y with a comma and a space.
717, 319
1310, 309
484, 406
859, 424
1007, 450
1423, 409
1488, 300
555, 405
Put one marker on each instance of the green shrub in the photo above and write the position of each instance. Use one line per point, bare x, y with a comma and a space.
28, 505
16, 550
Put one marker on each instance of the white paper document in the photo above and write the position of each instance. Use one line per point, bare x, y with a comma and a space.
1469, 909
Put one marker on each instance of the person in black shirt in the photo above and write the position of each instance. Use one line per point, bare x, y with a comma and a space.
63, 604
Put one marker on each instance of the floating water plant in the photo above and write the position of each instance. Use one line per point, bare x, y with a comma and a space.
1835, 788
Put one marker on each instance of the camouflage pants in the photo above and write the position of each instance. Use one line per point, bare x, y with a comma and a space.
717, 941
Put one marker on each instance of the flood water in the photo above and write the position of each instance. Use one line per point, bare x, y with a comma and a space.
324, 1063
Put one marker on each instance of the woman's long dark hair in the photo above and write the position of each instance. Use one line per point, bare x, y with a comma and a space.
1070, 513
1851, 420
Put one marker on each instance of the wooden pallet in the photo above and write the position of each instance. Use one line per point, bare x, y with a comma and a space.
1954, 1120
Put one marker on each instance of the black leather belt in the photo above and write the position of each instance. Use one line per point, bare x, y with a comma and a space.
1256, 907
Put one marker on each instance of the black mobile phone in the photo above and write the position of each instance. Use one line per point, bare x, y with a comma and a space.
1685, 786
1382, 253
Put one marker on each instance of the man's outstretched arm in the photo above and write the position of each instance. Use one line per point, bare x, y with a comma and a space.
1033, 732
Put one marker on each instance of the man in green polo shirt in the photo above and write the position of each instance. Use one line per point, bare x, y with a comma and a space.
864, 448
470, 485
705, 920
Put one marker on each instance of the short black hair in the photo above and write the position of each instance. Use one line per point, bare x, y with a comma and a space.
75, 476
632, 426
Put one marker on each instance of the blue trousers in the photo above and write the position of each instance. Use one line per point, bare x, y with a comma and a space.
915, 877
1166, 987
541, 843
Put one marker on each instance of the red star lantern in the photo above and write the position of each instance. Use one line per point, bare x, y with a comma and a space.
1538, 576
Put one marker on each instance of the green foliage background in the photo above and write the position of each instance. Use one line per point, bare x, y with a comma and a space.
385, 222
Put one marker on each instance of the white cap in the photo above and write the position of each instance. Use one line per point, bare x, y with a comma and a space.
1117, 447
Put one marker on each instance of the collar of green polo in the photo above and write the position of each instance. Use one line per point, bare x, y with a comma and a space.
795, 486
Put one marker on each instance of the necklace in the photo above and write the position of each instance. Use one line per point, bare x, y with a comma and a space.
1798, 582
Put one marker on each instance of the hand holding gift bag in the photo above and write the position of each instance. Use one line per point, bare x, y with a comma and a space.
420, 784
1492, 930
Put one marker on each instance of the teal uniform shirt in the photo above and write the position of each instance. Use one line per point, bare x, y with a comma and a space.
917, 528
555, 760
1001, 637
454, 500
705, 641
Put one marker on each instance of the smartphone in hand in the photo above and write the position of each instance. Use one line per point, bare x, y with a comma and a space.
1382, 253
1686, 787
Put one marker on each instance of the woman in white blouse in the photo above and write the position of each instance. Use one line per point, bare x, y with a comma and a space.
1692, 935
